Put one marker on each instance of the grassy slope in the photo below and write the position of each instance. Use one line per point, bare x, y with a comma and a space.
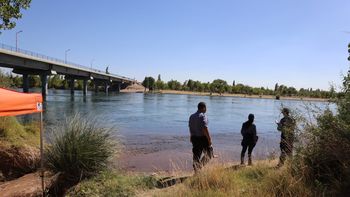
259, 180
13, 133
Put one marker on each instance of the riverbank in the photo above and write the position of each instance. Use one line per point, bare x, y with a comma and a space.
169, 154
241, 95
229, 179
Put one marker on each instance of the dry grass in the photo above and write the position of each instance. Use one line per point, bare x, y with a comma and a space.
259, 180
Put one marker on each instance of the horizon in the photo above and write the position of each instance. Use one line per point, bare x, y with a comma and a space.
198, 40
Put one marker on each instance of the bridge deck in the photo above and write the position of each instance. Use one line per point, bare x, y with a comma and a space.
28, 60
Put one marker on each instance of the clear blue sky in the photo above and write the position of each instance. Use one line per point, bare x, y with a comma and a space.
296, 42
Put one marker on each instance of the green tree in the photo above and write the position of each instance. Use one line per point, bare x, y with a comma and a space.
149, 82
160, 85
17, 81
190, 85
276, 87
218, 86
56, 82
206, 87
34, 81
10, 10
174, 85
5, 80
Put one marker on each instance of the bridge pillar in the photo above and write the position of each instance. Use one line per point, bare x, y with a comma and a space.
25, 84
96, 86
106, 87
118, 87
84, 87
44, 85
71, 86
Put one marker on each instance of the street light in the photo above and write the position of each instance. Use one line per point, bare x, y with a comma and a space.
92, 61
65, 56
17, 39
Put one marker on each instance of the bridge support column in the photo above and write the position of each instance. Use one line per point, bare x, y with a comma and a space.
25, 84
106, 87
118, 87
96, 86
71, 86
44, 85
84, 87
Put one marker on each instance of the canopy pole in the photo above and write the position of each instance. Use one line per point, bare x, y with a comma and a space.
42, 154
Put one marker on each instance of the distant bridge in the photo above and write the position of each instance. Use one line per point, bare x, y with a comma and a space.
30, 63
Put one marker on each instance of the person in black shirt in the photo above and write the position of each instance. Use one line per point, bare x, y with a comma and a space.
250, 138
286, 126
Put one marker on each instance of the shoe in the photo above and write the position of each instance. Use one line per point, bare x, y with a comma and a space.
250, 160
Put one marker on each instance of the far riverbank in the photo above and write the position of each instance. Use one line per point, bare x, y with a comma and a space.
137, 88
242, 95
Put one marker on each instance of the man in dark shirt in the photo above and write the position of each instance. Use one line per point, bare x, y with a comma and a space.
200, 138
286, 126
250, 138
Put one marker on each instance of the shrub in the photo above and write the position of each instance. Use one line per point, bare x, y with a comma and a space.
110, 183
16, 134
80, 148
323, 161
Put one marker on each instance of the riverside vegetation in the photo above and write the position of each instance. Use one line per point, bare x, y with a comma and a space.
221, 86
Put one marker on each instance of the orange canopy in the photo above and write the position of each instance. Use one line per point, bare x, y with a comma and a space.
14, 103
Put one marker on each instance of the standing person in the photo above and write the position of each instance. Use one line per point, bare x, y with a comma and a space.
200, 138
250, 138
286, 126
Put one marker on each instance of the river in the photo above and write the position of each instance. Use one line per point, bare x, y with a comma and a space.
154, 127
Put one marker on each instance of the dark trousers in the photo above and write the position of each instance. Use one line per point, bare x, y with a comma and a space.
200, 146
286, 147
250, 148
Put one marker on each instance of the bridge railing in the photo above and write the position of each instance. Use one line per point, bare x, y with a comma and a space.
45, 57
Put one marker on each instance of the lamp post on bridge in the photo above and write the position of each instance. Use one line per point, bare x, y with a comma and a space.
92, 61
65, 56
17, 39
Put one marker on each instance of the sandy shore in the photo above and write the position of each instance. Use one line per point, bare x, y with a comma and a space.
241, 95
174, 153
134, 88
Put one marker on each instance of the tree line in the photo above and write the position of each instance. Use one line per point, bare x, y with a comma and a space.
55, 81
221, 86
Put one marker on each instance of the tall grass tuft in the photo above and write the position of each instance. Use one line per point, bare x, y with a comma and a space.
80, 148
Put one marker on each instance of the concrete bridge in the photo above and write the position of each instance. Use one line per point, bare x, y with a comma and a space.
27, 63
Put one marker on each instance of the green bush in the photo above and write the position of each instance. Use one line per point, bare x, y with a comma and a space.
110, 183
13, 133
324, 161
80, 148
